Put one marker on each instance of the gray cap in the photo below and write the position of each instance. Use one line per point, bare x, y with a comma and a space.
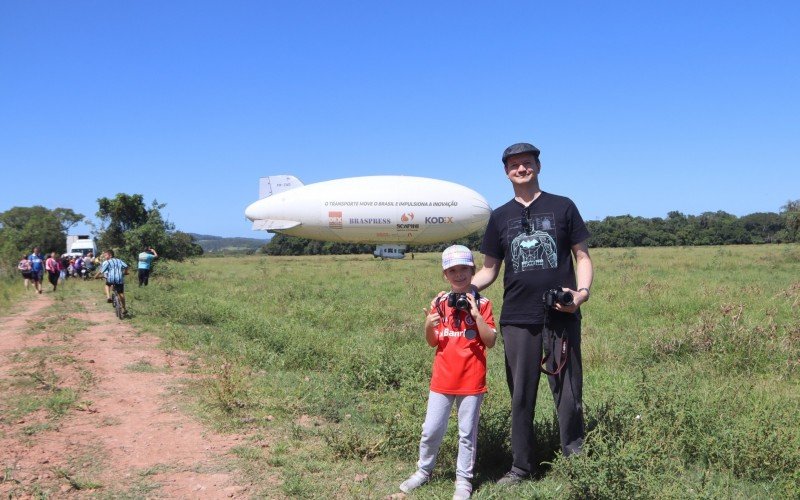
520, 148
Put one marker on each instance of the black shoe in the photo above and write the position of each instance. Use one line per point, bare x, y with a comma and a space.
109, 300
512, 478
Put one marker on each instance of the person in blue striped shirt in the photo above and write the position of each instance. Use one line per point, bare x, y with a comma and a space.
114, 270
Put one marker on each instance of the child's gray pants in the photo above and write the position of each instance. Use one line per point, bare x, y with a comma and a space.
435, 426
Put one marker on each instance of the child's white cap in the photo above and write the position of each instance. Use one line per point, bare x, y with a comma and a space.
457, 255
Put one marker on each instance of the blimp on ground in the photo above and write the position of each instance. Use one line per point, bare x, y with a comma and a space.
391, 211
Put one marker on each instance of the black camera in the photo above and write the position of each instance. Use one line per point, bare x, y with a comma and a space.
557, 296
458, 300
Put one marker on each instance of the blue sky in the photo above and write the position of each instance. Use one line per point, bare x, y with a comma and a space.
638, 107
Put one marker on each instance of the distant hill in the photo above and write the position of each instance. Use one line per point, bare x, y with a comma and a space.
211, 244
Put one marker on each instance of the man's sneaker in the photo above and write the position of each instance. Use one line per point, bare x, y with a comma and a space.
463, 489
511, 478
416, 480
109, 300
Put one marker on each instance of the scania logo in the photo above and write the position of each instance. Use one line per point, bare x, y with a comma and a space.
407, 217
438, 220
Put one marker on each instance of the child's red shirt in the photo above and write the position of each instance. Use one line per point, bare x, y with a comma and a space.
459, 366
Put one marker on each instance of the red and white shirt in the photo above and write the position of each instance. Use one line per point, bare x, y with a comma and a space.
459, 365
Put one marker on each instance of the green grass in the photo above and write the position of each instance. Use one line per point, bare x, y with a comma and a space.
691, 363
12, 291
701, 343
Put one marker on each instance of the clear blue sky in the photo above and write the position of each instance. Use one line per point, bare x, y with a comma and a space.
638, 107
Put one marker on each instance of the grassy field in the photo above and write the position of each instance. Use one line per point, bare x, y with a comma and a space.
691, 363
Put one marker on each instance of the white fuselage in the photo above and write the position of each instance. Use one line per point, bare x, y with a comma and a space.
377, 209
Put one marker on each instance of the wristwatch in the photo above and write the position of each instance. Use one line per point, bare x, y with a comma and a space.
588, 293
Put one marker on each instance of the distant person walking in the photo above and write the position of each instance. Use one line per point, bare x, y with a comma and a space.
537, 235
146, 264
24, 267
53, 267
37, 268
77, 266
115, 270
64, 266
460, 326
89, 262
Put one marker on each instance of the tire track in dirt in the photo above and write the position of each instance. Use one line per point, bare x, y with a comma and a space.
125, 433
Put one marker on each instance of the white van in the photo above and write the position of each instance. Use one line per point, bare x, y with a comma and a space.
81, 245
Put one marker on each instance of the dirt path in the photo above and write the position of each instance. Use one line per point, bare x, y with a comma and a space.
90, 407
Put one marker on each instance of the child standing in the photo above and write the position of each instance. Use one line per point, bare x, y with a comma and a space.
461, 327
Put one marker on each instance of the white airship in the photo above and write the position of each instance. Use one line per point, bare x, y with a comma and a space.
391, 211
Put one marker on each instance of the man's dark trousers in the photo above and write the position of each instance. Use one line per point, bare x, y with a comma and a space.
523, 353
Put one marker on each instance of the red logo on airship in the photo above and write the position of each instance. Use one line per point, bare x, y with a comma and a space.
335, 220
407, 217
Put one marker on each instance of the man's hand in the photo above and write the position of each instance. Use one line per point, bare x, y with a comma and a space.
578, 298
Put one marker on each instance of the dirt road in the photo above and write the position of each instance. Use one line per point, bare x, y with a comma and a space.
90, 407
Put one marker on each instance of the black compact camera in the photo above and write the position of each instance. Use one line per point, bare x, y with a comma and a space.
557, 296
459, 301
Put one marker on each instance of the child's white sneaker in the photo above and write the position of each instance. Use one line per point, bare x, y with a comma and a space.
416, 480
463, 489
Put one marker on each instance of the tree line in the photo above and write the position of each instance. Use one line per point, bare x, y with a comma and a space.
709, 228
281, 244
677, 229
127, 225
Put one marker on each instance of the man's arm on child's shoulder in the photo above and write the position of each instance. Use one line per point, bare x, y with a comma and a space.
487, 273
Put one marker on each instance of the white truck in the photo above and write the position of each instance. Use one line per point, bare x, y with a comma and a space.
80, 245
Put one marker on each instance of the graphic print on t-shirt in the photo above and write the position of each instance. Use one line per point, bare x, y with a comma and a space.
534, 246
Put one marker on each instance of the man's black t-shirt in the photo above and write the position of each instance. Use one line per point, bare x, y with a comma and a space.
536, 245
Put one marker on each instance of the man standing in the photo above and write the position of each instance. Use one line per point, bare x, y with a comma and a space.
537, 234
145, 263
37, 268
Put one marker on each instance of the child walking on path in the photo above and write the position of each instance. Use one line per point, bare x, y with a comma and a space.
461, 327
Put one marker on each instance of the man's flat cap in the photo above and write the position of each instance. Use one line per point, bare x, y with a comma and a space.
519, 148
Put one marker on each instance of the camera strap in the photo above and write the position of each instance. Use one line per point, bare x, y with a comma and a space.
564, 350
564, 359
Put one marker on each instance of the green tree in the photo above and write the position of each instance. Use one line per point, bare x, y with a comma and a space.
763, 227
67, 218
128, 226
22, 228
281, 244
791, 214
117, 216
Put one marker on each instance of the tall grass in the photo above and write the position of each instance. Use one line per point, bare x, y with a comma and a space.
691, 363
691, 370
12, 290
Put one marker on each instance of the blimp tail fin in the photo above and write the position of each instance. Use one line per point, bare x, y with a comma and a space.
274, 184
273, 225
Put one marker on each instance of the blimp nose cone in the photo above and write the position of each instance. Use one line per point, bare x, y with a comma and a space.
251, 212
